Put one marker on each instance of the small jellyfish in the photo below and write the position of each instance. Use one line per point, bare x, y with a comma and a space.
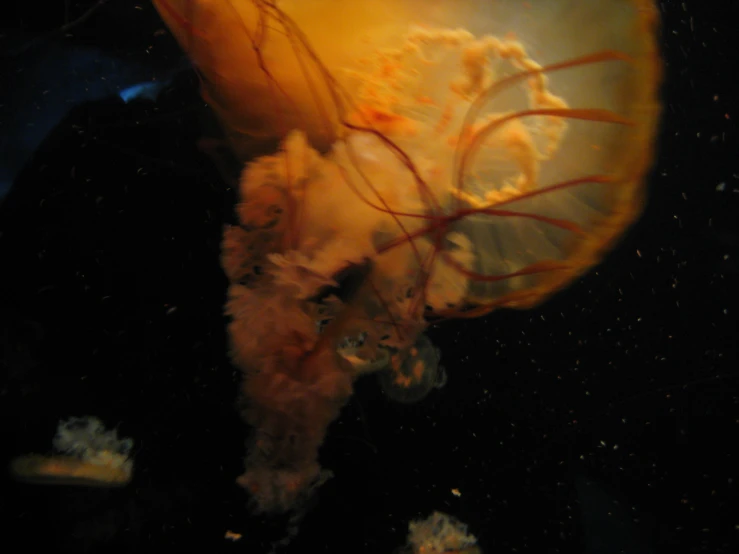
406, 376
440, 534
85, 454
410, 376
438, 159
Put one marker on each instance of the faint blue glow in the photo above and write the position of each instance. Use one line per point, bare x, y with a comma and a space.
142, 91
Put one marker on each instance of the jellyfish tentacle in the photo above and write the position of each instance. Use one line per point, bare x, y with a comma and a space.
507, 82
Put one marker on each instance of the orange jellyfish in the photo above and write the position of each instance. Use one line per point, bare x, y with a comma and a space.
438, 159
85, 454
440, 534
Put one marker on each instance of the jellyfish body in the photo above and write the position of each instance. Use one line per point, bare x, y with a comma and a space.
409, 377
441, 534
467, 155
85, 454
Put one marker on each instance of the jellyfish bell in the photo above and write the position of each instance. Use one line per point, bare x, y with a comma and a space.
257, 50
85, 454
410, 376
441, 533
469, 155
405, 376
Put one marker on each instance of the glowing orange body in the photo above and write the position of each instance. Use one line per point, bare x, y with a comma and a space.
428, 166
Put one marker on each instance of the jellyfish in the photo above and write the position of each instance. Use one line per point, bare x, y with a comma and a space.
85, 454
435, 160
440, 533
410, 377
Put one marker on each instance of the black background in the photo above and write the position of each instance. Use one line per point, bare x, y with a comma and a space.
111, 305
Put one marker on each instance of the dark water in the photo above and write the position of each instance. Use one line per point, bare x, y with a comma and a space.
619, 396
